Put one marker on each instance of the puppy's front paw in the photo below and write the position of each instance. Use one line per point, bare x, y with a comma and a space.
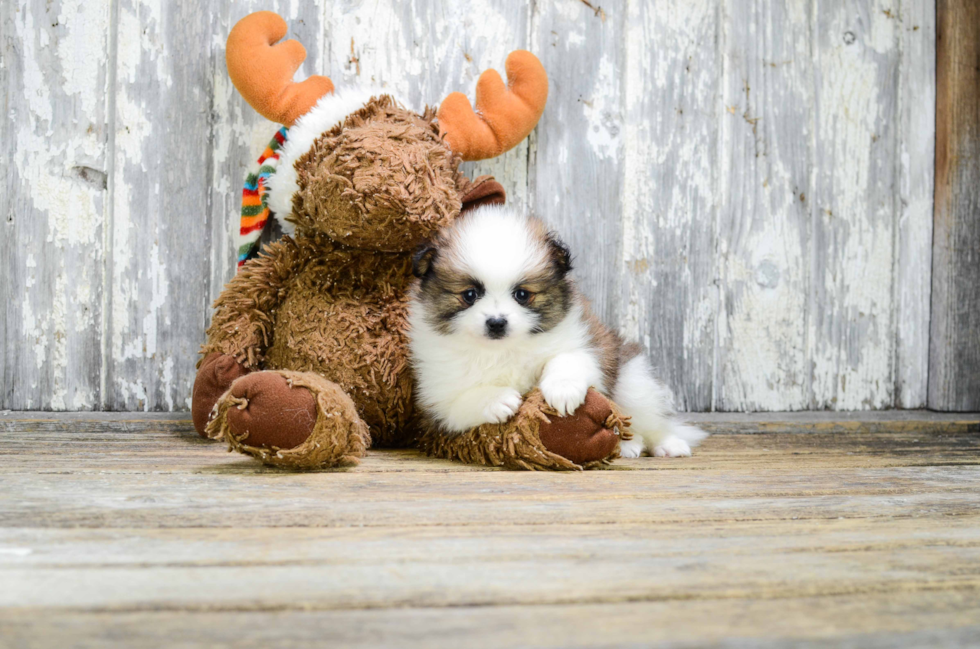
564, 395
630, 448
672, 447
502, 406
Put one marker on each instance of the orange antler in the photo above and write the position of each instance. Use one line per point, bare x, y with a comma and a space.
262, 70
504, 115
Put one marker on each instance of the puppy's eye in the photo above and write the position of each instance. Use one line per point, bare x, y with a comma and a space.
522, 295
469, 296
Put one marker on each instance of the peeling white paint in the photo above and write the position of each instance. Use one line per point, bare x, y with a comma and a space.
603, 112
59, 352
167, 382
850, 340
669, 200
913, 260
763, 260
159, 289
57, 167
83, 50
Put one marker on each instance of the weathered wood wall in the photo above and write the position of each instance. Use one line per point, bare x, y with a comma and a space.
747, 185
954, 363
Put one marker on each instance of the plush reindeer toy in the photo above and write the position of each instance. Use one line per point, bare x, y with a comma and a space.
306, 359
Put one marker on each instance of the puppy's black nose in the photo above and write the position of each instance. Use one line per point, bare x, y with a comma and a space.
496, 327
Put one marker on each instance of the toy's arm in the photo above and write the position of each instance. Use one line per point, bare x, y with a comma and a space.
242, 325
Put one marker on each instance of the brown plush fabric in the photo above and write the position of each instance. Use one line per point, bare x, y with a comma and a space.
270, 412
262, 69
505, 114
244, 313
382, 180
345, 318
338, 438
517, 444
216, 372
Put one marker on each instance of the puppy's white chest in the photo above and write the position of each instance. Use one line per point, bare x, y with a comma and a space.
514, 371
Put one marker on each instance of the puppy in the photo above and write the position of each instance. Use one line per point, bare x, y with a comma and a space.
494, 313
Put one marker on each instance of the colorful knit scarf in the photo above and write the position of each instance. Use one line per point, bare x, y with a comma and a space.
255, 207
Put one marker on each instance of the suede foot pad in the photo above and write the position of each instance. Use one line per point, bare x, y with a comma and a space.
215, 375
583, 436
271, 413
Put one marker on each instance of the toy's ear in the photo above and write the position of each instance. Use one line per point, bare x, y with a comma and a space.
561, 257
482, 191
422, 259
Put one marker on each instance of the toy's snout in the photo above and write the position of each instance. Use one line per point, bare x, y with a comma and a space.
384, 185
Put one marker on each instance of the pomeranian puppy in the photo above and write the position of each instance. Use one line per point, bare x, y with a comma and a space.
494, 313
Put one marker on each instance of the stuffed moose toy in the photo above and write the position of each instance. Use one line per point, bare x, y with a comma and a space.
306, 360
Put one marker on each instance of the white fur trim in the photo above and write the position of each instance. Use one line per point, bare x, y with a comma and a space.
327, 113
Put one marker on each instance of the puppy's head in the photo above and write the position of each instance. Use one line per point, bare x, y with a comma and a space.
494, 275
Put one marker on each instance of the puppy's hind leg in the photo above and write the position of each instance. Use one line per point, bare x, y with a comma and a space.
654, 424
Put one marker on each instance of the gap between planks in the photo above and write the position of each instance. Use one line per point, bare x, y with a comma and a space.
716, 423
944, 620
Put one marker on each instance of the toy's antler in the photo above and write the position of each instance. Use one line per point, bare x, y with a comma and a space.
262, 69
504, 115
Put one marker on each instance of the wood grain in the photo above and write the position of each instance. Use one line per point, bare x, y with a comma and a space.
578, 159
889, 621
916, 158
853, 205
668, 291
159, 227
867, 539
763, 231
54, 137
450, 572
954, 383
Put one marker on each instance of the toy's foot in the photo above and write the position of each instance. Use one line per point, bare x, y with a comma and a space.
217, 373
536, 437
291, 419
583, 436
270, 412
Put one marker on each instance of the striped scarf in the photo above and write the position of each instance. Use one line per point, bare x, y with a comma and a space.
255, 208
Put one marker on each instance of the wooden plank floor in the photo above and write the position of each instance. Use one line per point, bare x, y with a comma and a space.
788, 530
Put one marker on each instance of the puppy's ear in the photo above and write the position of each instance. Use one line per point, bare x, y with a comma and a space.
560, 256
422, 259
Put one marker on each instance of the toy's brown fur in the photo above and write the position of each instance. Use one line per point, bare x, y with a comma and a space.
517, 444
384, 167
327, 310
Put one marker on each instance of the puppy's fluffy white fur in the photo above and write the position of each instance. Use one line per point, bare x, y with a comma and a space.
468, 373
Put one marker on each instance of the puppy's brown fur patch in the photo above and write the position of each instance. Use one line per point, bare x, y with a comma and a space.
441, 289
613, 353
